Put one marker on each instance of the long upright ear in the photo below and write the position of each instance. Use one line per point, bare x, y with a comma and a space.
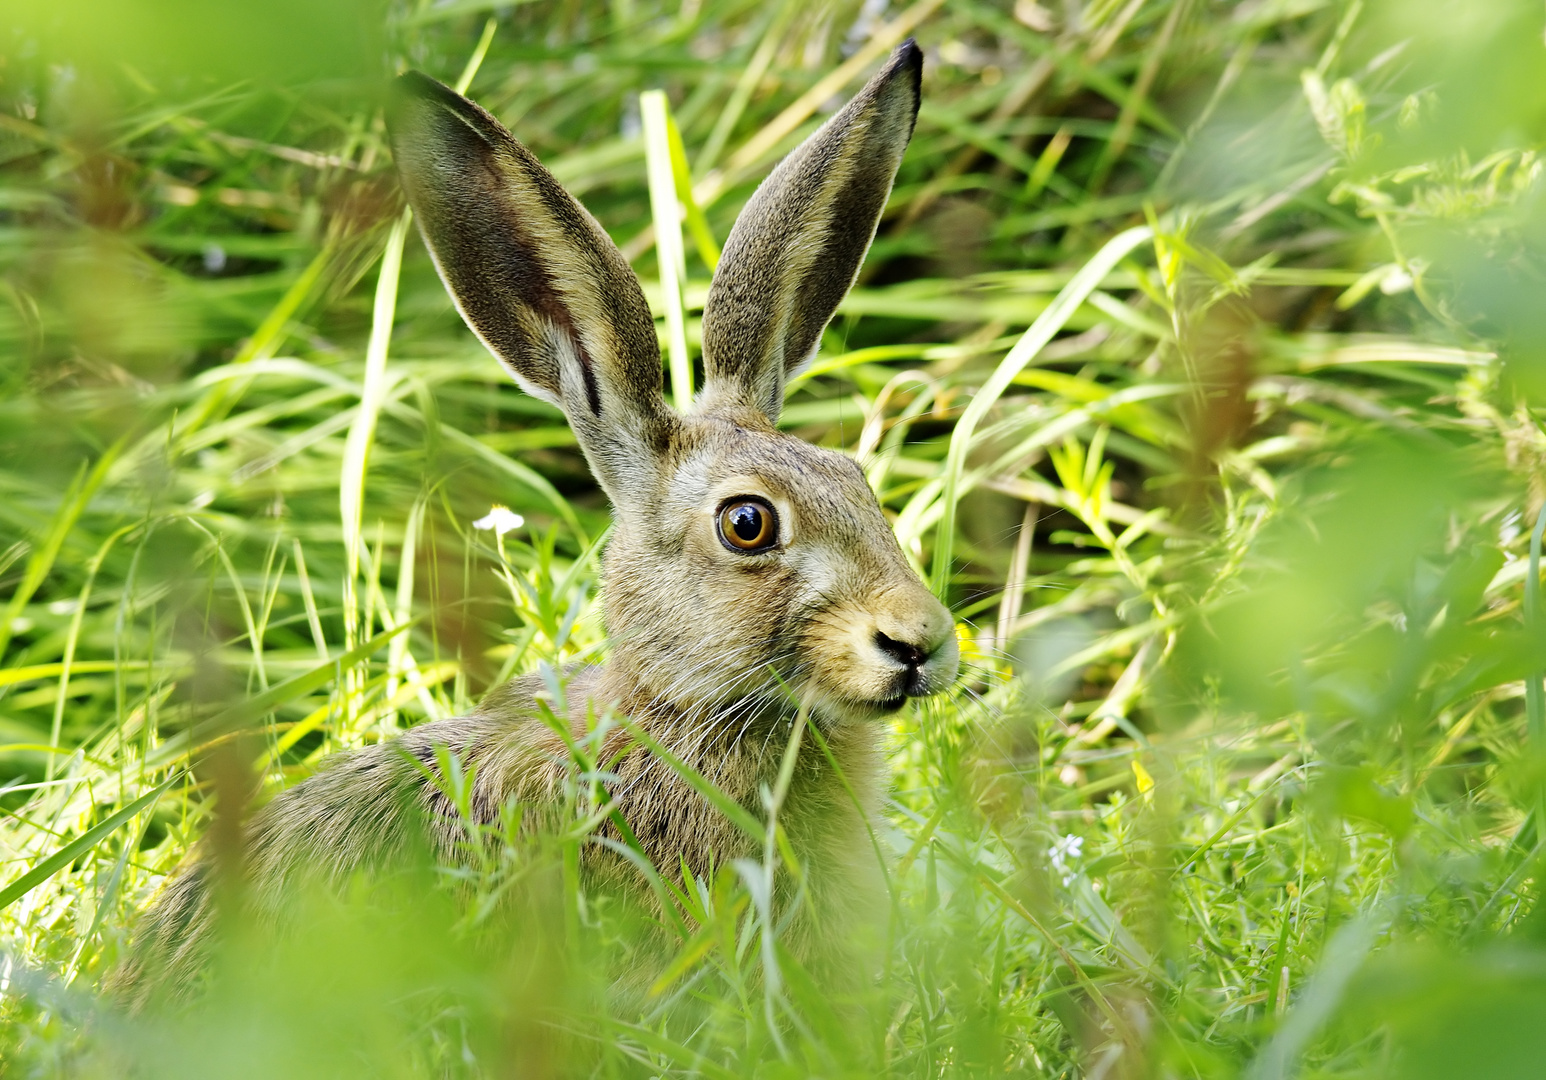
535, 276
797, 247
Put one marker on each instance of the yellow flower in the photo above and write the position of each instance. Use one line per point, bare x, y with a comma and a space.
1145, 781
970, 653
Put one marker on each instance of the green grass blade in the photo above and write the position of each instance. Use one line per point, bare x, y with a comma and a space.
1535, 696
71, 506
77, 847
737, 814
479, 51
362, 433
233, 718
1036, 338
666, 212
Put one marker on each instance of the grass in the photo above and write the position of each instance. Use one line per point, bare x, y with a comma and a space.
1195, 362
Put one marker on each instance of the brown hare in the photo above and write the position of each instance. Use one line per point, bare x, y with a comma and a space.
747, 569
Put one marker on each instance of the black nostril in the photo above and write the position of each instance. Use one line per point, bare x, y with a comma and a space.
908, 654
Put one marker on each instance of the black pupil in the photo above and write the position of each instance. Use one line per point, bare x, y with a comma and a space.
746, 520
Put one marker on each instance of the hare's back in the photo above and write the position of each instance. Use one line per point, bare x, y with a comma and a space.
365, 807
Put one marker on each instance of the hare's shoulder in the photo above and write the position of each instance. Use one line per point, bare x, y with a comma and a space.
506, 719
356, 803
507, 744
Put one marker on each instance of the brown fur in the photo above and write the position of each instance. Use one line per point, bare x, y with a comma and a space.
707, 643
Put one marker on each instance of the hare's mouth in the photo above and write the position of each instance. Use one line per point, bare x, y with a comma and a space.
857, 704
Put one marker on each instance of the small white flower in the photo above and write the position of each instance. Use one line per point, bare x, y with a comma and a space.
501, 519
1396, 280
1509, 530
1061, 852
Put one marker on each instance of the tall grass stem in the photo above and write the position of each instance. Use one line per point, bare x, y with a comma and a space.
1036, 338
1535, 694
666, 211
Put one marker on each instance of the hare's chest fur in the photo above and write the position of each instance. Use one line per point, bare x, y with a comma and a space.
519, 758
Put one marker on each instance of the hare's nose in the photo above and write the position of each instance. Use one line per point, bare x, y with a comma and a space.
914, 656
904, 652
915, 631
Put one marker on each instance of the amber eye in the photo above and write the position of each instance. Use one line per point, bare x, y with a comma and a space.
748, 525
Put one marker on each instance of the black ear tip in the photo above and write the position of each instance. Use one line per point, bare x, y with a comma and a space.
409, 92
417, 100
417, 86
907, 61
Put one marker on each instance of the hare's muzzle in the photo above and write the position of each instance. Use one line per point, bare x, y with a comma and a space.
924, 654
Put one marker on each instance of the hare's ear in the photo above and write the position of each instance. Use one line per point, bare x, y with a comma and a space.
535, 276
798, 244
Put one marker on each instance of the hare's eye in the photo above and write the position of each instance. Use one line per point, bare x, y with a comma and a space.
748, 525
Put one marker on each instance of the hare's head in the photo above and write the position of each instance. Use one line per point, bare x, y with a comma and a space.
742, 557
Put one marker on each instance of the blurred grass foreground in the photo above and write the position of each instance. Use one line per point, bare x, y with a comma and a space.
1245, 773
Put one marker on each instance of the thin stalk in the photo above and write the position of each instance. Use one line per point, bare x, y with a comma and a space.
362, 433
1042, 331
746, 85
479, 51
654, 113
262, 345
1014, 584
72, 640
1535, 696
712, 186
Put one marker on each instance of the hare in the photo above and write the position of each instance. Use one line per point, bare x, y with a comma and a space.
749, 573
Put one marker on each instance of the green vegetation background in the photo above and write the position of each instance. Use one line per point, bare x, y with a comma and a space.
1235, 512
